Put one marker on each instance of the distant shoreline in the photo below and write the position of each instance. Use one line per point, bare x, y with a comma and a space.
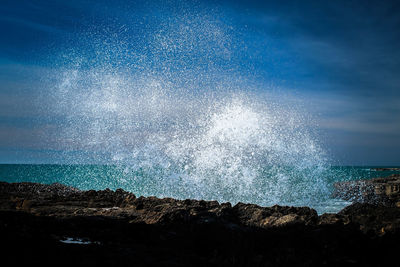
385, 169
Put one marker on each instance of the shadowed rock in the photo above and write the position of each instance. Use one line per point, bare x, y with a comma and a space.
63, 201
50, 224
383, 191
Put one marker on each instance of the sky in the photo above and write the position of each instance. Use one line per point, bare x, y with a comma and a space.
340, 57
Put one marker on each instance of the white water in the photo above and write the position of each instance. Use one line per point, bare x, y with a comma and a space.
192, 126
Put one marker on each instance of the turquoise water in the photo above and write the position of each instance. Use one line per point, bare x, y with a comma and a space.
266, 189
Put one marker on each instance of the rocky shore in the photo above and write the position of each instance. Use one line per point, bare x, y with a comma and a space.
60, 225
381, 191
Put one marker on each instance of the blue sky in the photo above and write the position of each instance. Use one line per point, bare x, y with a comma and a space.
341, 57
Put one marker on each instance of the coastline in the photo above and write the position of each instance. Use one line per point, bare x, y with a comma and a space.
141, 183
58, 223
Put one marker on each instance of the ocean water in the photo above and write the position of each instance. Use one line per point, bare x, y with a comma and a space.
264, 190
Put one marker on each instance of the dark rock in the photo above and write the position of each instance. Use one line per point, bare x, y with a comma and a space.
383, 191
116, 228
254, 215
374, 219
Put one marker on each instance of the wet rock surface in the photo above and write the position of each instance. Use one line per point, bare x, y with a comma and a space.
382, 191
60, 225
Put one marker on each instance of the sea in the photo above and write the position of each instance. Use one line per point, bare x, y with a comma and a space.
282, 186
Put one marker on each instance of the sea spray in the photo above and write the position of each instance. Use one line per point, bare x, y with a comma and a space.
231, 147
177, 116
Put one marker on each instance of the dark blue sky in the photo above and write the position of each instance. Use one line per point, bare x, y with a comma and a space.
342, 57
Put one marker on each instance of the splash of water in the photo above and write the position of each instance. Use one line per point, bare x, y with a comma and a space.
183, 127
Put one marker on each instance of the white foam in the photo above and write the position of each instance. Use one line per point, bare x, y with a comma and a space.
71, 240
196, 127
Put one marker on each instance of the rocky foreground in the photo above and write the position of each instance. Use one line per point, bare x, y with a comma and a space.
382, 190
60, 225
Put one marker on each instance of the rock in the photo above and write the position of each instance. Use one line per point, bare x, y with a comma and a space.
116, 228
332, 219
375, 219
254, 215
384, 191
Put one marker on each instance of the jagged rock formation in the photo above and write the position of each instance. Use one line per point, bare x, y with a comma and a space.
61, 225
384, 190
